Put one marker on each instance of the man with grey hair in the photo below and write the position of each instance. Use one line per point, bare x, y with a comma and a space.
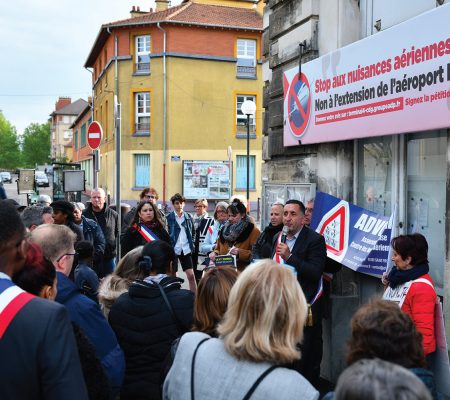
34, 216
44, 200
57, 243
108, 220
309, 208
379, 380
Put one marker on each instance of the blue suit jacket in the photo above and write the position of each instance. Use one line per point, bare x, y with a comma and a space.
87, 315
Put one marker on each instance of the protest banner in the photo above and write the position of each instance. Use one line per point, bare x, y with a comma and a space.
384, 84
355, 237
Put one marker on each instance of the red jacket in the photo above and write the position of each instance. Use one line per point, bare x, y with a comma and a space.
419, 305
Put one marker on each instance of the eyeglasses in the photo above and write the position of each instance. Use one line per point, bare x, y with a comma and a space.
200, 206
64, 255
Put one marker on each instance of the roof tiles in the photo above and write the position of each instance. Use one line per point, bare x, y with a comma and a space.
201, 14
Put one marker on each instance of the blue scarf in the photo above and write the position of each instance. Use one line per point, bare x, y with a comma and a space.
397, 276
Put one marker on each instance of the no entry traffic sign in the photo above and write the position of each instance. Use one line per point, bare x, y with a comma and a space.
94, 135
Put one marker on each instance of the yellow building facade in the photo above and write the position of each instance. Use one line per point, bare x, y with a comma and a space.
180, 76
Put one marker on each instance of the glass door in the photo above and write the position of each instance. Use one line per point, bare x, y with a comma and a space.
426, 169
374, 173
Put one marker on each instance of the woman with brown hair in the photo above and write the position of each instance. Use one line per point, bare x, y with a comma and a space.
237, 236
212, 297
259, 333
379, 329
410, 275
145, 227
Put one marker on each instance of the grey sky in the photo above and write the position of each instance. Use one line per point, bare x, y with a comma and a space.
43, 47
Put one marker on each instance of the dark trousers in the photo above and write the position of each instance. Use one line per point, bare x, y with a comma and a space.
311, 349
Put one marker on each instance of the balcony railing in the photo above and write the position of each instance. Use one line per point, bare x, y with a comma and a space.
241, 131
245, 71
143, 67
142, 127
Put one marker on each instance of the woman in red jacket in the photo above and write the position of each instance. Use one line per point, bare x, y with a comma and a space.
410, 275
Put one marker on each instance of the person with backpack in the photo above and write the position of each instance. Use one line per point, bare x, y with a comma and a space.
148, 318
258, 335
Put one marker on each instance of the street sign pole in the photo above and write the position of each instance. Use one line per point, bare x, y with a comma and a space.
94, 137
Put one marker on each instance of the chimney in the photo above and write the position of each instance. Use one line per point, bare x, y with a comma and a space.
136, 12
62, 102
161, 5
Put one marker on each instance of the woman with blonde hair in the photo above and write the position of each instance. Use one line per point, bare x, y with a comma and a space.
260, 330
113, 285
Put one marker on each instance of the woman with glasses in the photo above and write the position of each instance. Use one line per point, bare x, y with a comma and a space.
145, 227
237, 236
220, 218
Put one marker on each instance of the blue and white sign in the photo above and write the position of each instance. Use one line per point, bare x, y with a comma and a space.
355, 237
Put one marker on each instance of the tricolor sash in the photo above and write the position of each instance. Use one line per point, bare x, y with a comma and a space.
146, 233
276, 257
12, 300
319, 292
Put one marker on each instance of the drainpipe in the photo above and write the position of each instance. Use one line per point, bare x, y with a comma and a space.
164, 113
118, 122
96, 153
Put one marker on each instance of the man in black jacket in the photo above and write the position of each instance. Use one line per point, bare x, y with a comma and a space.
38, 354
305, 250
263, 247
108, 219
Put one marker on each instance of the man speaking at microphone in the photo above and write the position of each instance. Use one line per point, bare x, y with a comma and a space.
304, 249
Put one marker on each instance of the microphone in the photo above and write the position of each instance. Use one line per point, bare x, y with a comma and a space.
285, 231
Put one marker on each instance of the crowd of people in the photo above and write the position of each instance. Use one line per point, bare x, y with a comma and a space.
74, 324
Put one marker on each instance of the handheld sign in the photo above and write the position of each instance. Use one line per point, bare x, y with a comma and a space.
94, 135
225, 261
